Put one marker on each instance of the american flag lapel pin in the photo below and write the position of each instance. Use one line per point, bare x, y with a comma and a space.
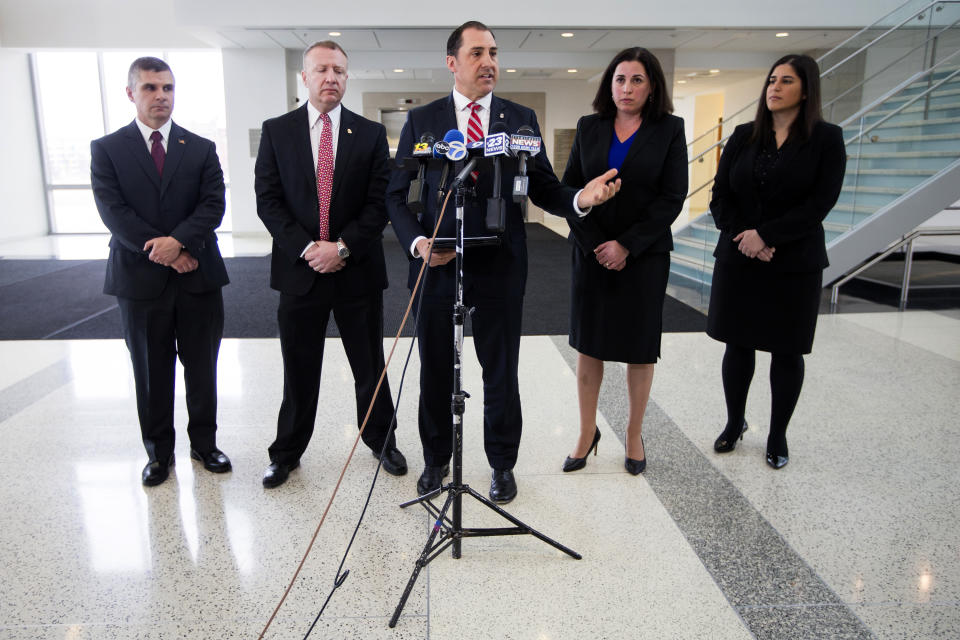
181, 141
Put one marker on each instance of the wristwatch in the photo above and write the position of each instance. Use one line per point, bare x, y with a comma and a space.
342, 250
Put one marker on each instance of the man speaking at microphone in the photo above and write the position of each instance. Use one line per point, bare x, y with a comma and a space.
494, 277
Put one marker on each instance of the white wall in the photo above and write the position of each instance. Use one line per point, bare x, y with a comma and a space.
23, 209
255, 87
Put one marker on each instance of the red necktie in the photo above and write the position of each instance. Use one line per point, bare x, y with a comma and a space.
156, 150
325, 175
474, 130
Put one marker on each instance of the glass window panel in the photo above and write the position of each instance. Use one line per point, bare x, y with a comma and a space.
74, 211
199, 104
70, 112
120, 111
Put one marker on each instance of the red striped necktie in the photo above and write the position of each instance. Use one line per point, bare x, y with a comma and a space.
474, 130
325, 175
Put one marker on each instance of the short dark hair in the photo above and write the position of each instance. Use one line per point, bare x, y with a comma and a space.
808, 72
455, 41
147, 63
325, 44
657, 105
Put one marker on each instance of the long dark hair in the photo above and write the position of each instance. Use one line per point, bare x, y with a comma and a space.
659, 102
808, 72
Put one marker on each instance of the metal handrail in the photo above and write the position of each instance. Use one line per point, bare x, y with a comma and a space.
907, 262
863, 111
908, 53
836, 66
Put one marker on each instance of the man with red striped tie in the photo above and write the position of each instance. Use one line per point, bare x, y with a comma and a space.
494, 277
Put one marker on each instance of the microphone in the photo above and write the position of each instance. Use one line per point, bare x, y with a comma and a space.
495, 145
452, 143
416, 196
523, 144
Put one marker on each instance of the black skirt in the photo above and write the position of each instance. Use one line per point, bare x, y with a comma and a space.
618, 315
754, 306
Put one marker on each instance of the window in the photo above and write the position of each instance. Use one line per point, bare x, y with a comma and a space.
81, 96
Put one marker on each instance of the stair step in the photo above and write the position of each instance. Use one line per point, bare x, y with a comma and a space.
892, 191
905, 155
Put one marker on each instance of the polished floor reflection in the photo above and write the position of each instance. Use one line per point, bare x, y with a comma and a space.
855, 538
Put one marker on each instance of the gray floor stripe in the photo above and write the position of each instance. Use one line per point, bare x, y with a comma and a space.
24, 393
775, 592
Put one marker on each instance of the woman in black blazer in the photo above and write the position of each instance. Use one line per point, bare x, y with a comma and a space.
778, 178
621, 251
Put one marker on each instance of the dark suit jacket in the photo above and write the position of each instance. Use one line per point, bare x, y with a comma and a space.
137, 205
788, 212
286, 187
492, 271
654, 175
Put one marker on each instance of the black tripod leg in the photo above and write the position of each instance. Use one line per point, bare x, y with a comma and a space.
422, 560
536, 534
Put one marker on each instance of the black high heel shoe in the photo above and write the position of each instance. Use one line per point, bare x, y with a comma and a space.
777, 462
636, 467
722, 445
575, 464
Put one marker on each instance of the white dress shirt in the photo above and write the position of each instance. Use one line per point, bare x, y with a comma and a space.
146, 131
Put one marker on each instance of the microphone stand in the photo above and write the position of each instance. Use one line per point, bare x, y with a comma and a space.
449, 531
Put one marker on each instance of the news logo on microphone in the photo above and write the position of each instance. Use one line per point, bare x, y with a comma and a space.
457, 151
422, 149
496, 144
519, 143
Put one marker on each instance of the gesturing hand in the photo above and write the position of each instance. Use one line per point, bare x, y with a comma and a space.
599, 190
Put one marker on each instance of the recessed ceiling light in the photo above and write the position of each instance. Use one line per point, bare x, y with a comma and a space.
398, 70
692, 75
571, 70
681, 82
782, 34
511, 70
334, 33
566, 34
714, 70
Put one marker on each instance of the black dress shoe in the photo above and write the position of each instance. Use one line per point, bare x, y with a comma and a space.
277, 473
431, 479
503, 486
777, 462
575, 464
156, 472
213, 460
393, 461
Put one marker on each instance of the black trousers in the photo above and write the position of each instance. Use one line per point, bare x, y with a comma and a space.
496, 326
303, 327
157, 331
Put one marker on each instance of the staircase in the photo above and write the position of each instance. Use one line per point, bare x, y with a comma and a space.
903, 146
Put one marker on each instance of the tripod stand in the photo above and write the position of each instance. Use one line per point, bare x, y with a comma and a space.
449, 531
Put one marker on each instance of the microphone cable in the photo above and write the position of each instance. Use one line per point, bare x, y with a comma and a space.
342, 575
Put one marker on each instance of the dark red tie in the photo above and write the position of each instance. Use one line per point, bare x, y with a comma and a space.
325, 175
156, 150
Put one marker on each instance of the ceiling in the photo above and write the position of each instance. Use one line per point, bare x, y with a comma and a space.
388, 53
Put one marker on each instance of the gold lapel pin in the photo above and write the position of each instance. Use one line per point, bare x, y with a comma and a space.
182, 141
349, 130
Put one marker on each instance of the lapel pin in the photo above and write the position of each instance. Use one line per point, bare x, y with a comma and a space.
349, 130
501, 116
182, 141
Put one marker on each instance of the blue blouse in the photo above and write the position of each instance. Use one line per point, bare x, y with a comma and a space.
618, 151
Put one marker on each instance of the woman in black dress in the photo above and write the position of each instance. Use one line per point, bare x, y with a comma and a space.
778, 178
621, 251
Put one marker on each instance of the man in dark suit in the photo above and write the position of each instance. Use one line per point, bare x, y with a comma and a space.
159, 190
494, 277
321, 173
